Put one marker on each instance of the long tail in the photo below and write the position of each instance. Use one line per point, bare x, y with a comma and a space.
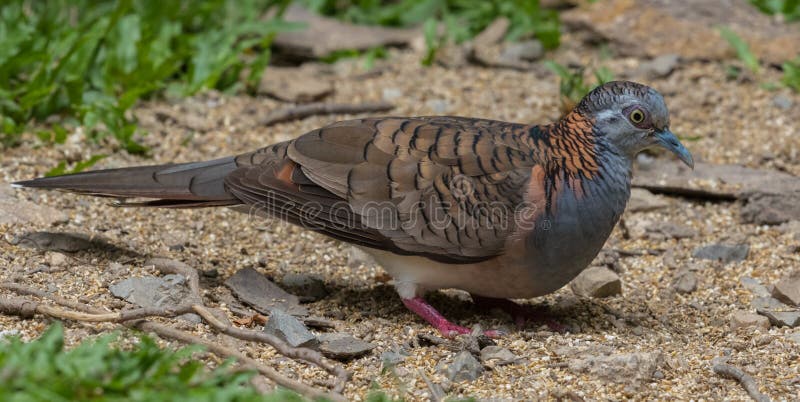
185, 185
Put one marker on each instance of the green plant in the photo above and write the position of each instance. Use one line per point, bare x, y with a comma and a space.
572, 84
87, 62
97, 370
791, 74
742, 49
790, 9
460, 20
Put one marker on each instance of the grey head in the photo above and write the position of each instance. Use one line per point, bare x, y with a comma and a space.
633, 117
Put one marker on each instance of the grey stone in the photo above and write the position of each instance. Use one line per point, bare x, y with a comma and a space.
661, 66
787, 290
794, 338
597, 282
644, 201
628, 368
343, 346
672, 230
766, 303
497, 356
289, 329
771, 209
686, 282
464, 367
723, 252
155, 292
789, 317
782, 102
56, 259
16, 211
528, 50
293, 84
741, 319
438, 106
391, 94
66, 242
754, 286
307, 287
256, 290
393, 357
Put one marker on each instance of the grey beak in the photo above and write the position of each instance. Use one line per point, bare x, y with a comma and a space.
670, 141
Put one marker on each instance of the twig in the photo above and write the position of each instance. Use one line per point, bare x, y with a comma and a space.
27, 308
312, 109
747, 382
168, 266
280, 346
437, 394
247, 362
31, 291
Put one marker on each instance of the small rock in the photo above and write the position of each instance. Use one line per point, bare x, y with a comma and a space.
794, 338
528, 50
644, 201
630, 368
6, 333
754, 286
789, 318
686, 282
357, 257
343, 346
661, 66
782, 102
493, 33
723, 252
498, 356
56, 259
672, 230
292, 84
17, 211
767, 303
787, 290
464, 367
256, 290
307, 287
66, 242
597, 282
392, 358
438, 106
289, 329
742, 319
155, 292
766, 208
391, 94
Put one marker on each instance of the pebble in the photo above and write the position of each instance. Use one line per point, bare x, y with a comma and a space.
527, 50
290, 330
393, 357
767, 303
56, 259
465, 367
780, 318
782, 102
439, 106
391, 94
66, 242
341, 346
256, 290
155, 292
628, 368
686, 282
596, 282
307, 287
644, 201
787, 290
754, 286
672, 230
497, 356
743, 319
722, 252
661, 66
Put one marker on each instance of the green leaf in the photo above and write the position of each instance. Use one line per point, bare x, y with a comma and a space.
742, 49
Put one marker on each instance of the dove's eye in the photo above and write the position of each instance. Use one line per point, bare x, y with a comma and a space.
636, 116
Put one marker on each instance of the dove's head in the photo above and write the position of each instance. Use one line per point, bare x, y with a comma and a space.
633, 117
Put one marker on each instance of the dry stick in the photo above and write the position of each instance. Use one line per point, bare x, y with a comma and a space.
311, 109
27, 308
748, 383
31, 291
283, 348
172, 333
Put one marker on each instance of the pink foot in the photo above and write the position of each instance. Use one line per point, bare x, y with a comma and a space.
521, 313
437, 320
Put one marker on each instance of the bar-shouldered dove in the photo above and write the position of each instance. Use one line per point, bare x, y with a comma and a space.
501, 210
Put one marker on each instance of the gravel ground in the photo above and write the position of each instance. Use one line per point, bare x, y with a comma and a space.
730, 121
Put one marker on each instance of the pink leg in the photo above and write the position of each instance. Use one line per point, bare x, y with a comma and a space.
521, 314
438, 321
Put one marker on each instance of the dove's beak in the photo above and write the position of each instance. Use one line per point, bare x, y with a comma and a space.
670, 141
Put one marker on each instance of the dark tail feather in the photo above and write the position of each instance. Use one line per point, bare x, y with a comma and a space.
185, 185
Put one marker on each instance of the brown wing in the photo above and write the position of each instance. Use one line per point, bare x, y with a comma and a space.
443, 187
